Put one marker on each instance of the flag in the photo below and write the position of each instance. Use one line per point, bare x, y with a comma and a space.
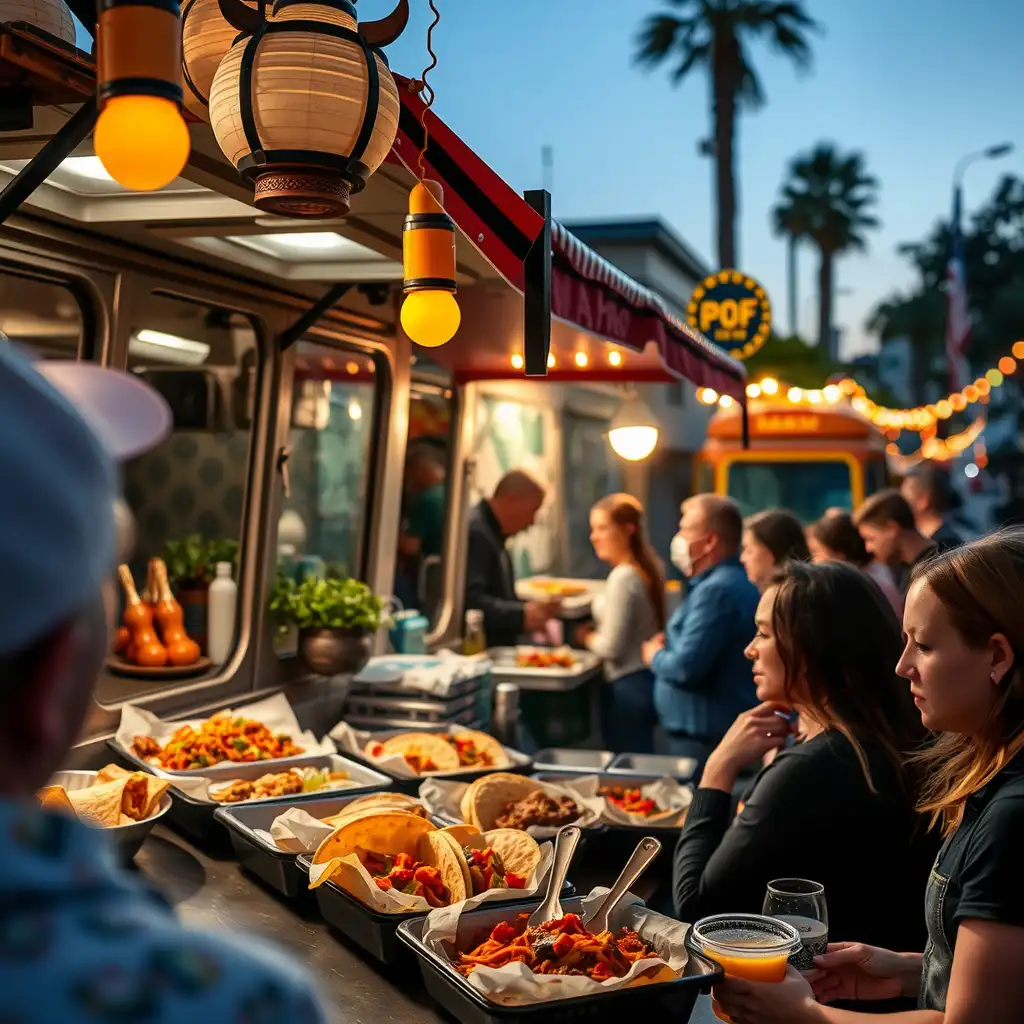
958, 318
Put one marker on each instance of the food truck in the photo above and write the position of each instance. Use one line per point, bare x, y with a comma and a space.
804, 456
277, 342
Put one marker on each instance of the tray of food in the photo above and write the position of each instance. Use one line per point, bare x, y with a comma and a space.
384, 866
571, 759
444, 675
410, 756
601, 958
266, 731
268, 838
536, 665
125, 805
574, 596
659, 765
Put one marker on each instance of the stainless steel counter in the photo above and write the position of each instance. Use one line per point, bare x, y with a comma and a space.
214, 894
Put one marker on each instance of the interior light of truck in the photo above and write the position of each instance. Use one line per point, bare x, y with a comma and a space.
430, 314
615, 358
90, 167
581, 360
517, 361
633, 431
169, 348
140, 136
551, 360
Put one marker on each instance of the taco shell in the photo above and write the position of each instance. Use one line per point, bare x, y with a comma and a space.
486, 744
441, 850
419, 744
385, 801
55, 798
142, 791
488, 796
99, 805
518, 850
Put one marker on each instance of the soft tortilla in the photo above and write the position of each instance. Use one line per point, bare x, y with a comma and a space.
99, 805
488, 796
55, 798
142, 791
518, 850
419, 744
486, 744
440, 849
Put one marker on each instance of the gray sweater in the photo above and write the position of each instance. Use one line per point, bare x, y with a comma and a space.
625, 618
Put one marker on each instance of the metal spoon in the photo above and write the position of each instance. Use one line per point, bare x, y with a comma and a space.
565, 846
647, 849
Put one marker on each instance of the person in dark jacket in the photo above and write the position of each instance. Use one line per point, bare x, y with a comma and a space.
490, 578
931, 497
886, 524
836, 808
701, 680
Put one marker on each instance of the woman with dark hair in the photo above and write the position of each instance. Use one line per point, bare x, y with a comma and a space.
630, 611
835, 538
964, 641
770, 540
838, 807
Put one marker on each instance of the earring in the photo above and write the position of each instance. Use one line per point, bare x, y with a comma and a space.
993, 677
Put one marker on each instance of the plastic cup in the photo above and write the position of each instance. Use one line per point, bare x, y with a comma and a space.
747, 946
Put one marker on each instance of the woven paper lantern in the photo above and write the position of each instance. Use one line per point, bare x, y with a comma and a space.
304, 105
206, 36
53, 16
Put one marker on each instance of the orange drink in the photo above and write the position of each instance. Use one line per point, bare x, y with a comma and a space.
746, 946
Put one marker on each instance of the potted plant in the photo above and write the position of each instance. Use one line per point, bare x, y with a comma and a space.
191, 566
336, 620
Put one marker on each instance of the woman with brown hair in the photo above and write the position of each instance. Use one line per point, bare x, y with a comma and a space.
964, 633
630, 611
770, 540
837, 807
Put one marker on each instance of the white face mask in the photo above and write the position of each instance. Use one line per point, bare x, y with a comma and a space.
679, 553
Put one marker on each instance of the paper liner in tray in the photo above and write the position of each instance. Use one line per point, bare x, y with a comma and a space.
350, 874
444, 796
516, 984
353, 741
274, 712
667, 793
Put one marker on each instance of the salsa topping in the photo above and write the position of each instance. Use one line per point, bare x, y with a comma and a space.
545, 659
488, 871
469, 756
409, 876
277, 784
539, 809
630, 800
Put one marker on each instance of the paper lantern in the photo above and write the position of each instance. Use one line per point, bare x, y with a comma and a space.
304, 104
430, 315
206, 37
53, 16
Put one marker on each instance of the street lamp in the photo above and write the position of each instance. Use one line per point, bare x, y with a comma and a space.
989, 153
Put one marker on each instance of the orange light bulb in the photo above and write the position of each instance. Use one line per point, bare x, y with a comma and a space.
430, 317
142, 141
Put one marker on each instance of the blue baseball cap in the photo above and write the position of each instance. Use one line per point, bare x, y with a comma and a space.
64, 426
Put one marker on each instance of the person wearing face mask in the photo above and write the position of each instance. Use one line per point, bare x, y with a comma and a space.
81, 941
962, 658
701, 678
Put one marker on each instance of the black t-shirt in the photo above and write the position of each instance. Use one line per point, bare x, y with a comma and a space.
983, 860
945, 537
810, 814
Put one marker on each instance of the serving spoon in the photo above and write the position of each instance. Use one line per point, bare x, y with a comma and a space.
647, 849
565, 846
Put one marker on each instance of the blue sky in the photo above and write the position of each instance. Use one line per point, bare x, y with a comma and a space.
915, 84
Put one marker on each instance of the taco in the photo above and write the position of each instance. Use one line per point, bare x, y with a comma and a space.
631, 800
99, 805
500, 859
423, 751
392, 847
377, 802
142, 791
477, 749
55, 798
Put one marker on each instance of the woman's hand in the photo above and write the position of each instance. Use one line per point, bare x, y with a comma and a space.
851, 970
651, 647
583, 634
749, 738
791, 1001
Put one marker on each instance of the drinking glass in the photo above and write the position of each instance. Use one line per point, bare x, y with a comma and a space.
801, 903
746, 946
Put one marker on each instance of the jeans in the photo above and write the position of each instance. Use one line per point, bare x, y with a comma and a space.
686, 746
628, 717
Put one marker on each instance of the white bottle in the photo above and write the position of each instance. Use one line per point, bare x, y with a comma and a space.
220, 616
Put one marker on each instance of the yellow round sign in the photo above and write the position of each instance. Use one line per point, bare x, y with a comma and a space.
733, 311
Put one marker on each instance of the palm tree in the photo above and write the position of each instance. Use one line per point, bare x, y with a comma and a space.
791, 220
833, 191
714, 35
920, 318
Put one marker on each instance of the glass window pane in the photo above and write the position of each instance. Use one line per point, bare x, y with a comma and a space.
43, 316
188, 494
806, 488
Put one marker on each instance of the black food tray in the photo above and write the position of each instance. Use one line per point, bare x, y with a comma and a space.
376, 932
521, 764
264, 859
668, 1000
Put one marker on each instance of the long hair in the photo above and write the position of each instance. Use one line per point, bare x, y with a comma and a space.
627, 513
835, 531
781, 533
979, 585
837, 634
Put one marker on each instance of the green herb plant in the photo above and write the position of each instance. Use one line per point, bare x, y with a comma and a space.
192, 561
326, 604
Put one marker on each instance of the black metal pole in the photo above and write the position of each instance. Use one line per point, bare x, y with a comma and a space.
537, 291
48, 159
331, 297
746, 423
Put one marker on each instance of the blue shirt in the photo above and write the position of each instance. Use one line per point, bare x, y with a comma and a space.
702, 679
81, 943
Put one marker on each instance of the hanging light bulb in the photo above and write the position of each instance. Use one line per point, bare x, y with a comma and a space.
140, 137
430, 315
633, 432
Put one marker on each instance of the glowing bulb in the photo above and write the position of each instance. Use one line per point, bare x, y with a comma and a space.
832, 393
944, 409
970, 470
708, 396
580, 359
517, 361
351, 368
615, 358
770, 386
1007, 365
725, 401
1018, 350
551, 360
430, 317
994, 377
633, 443
142, 141
815, 397
753, 390
795, 394
355, 410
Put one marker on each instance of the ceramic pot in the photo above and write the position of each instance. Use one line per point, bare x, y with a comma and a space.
331, 652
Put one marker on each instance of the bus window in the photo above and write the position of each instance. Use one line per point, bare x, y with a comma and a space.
419, 573
43, 316
806, 488
323, 523
876, 476
188, 494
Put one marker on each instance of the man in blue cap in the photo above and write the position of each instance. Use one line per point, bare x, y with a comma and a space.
79, 940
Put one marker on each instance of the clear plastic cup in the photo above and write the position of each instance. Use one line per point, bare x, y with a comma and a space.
747, 946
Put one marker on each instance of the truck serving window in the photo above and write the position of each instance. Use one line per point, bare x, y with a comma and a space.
805, 488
